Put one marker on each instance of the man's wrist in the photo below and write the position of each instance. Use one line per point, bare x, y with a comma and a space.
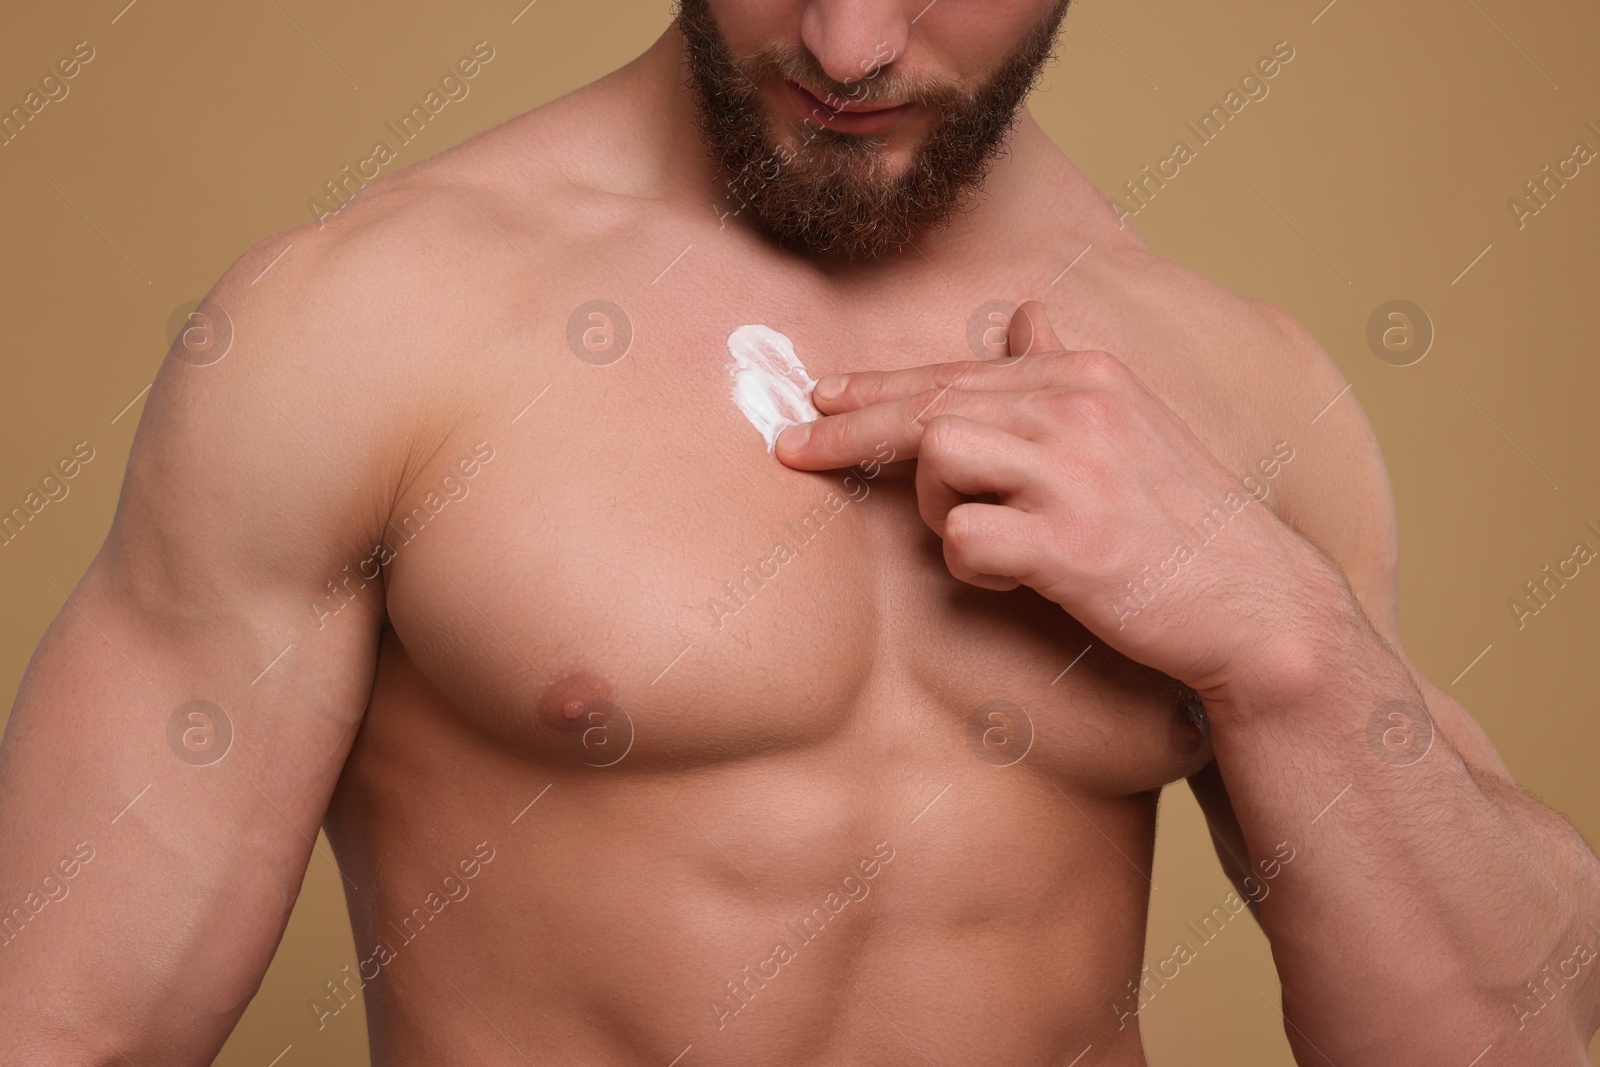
1323, 652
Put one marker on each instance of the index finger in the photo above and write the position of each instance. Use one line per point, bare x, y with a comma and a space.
851, 437
838, 393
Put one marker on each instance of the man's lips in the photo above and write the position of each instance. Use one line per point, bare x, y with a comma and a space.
850, 116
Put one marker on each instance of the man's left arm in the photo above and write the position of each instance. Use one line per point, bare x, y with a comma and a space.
1434, 908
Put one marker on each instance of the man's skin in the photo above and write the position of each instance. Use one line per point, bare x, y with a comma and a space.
578, 808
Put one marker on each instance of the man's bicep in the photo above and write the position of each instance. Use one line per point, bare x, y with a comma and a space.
184, 721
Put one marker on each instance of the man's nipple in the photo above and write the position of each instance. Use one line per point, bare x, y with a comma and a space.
569, 700
594, 728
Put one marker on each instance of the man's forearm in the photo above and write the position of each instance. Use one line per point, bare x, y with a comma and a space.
1433, 909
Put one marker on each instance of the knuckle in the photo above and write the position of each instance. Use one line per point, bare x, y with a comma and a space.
942, 435
864, 387
1042, 406
1095, 365
1056, 402
954, 375
928, 405
827, 436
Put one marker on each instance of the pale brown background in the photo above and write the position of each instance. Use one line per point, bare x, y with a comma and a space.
1382, 162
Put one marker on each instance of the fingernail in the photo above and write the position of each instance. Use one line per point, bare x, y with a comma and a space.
831, 385
794, 438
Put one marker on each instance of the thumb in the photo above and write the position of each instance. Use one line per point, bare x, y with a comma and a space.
1030, 331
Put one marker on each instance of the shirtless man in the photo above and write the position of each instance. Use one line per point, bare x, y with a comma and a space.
639, 743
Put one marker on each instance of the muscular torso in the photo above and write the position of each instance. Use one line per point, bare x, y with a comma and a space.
673, 747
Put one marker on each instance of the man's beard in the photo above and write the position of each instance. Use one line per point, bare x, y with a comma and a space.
832, 194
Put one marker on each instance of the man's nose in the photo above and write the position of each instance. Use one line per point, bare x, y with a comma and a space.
853, 39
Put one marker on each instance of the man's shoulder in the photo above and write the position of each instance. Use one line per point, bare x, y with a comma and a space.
426, 233
430, 265
369, 333
1205, 341
515, 194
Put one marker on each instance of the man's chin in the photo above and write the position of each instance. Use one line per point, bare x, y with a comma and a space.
868, 160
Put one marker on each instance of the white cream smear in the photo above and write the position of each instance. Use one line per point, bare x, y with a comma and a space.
769, 384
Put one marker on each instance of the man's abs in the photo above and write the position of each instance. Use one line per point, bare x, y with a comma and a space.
897, 881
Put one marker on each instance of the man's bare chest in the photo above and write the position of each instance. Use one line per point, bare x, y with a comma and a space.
628, 574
